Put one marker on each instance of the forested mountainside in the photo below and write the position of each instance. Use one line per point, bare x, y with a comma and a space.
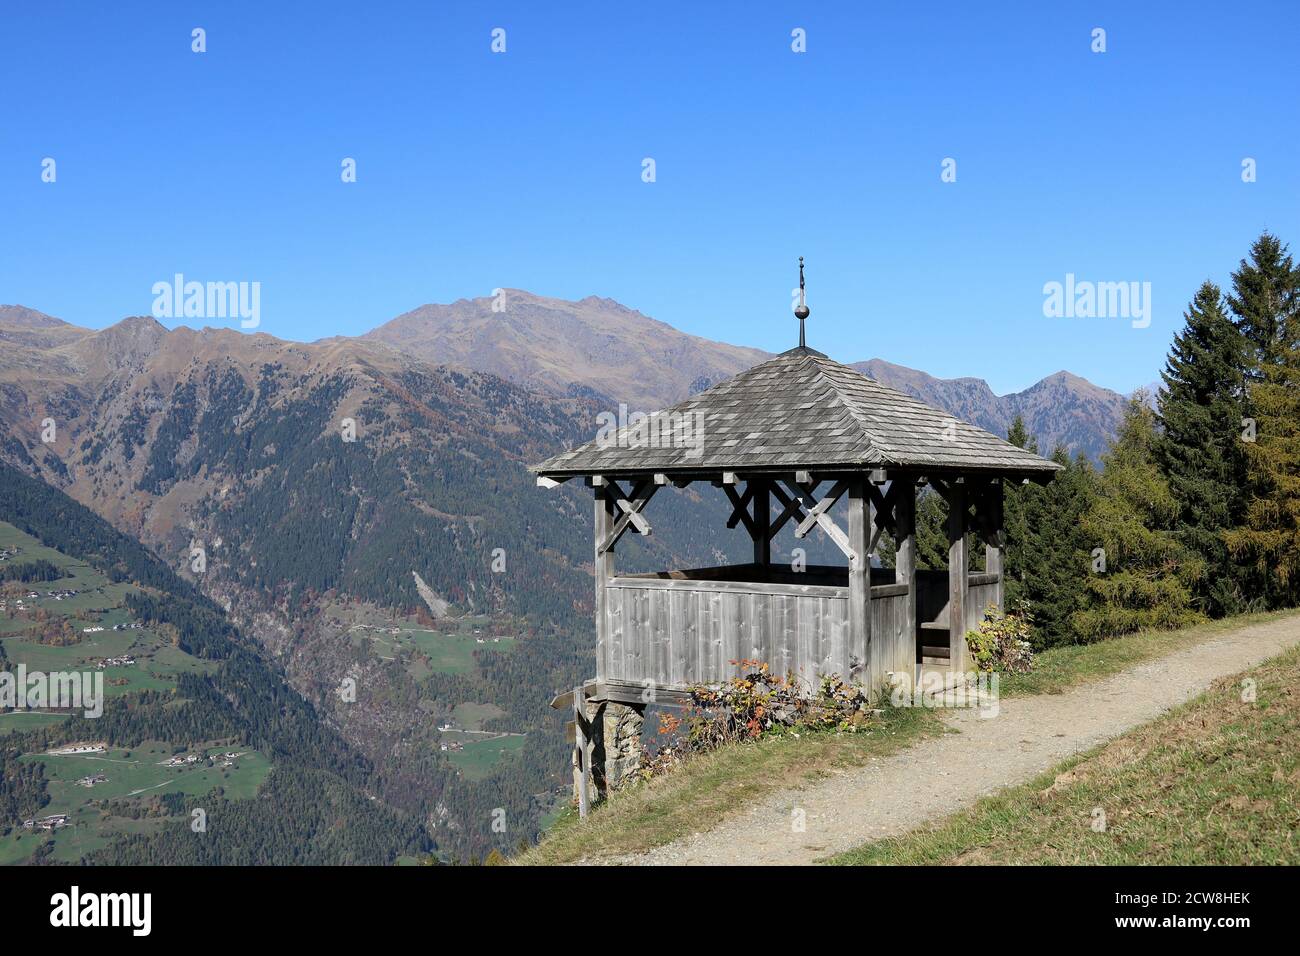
1062, 410
366, 518
193, 685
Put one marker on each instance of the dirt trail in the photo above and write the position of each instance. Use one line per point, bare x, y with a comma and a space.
938, 776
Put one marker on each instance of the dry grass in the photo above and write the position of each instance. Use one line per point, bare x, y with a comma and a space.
1214, 782
714, 785
1060, 668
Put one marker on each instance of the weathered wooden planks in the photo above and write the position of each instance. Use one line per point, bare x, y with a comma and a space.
687, 634
860, 510
957, 584
983, 590
893, 643
604, 567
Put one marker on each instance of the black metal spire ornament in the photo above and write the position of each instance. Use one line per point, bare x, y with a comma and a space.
801, 311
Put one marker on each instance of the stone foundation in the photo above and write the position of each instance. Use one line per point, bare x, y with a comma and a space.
614, 750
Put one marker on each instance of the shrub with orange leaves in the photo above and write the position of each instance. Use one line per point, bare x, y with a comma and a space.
752, 705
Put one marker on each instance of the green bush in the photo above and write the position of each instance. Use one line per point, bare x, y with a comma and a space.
1002, 641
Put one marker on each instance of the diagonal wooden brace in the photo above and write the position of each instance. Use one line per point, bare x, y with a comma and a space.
794, 508
820, 508
740, 508
631, 508
885, 518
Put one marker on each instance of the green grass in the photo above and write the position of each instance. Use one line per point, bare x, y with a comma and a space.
101, 603
478, 759
156, 666
92, 647
1215, 781
15, 720
1060, 668
711, 786
30, 549
89, 831
471, 716
134, 775
448, 651
140, 771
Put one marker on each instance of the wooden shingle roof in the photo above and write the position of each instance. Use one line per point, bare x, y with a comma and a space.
798, 410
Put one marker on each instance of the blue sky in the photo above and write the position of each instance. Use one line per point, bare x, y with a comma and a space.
477, 170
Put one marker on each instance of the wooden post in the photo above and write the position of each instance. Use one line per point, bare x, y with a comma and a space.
958, 584
581, 755
762, 521
604, 565
905, 558
993, 543
860, 581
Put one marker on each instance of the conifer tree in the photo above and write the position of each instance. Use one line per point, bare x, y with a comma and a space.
1149, 574
1045, 556
1018, 501
1267, 304
932, 530
1265, 292
1199, 447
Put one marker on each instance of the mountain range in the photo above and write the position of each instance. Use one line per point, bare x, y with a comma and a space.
599, 348
363, 507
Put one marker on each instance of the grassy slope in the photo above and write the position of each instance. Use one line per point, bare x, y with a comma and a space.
1064, 667
136, 773
99, 602
714, 786
1216, 781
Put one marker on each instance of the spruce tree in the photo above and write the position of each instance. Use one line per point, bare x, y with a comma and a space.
1149, 574
1266, 303
931, 530
1199, 448
1265, 292
1045, 555
1269, 541
1018, 501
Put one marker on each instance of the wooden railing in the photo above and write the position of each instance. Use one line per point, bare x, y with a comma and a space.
690, 625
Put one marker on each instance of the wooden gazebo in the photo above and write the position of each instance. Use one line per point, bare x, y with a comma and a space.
779, 434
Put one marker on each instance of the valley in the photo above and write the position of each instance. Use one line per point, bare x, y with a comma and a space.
363, 512
194, 724
82, 621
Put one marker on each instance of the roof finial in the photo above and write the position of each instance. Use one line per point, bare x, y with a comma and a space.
801, 310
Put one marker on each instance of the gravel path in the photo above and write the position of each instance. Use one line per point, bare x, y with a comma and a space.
941, 775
